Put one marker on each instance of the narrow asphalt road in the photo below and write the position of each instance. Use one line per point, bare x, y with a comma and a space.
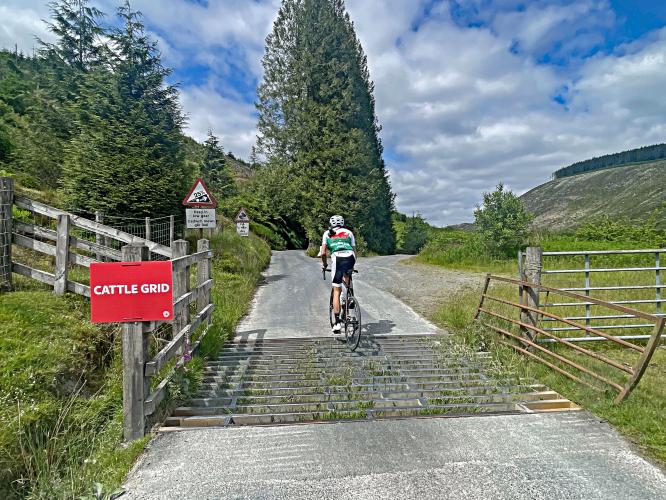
530, 456
293, 302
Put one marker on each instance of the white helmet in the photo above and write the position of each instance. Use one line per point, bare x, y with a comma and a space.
337, 221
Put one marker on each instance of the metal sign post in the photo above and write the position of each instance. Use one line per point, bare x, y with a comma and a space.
201, 212
242, 220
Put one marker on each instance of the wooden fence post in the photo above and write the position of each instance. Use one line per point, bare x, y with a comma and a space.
6, 202
532, 274
203, 275
62, 254
172, 229
134, 359
181, 285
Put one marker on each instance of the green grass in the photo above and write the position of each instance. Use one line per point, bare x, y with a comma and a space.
641, 418
61, 380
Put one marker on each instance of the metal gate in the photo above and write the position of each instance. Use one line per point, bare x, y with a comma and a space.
623, 277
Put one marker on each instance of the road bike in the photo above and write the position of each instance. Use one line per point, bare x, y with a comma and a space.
350, 311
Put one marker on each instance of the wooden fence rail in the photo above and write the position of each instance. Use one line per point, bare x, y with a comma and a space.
193, 307
529, 344
140, 397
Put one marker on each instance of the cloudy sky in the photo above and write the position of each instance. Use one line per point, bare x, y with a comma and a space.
469, 92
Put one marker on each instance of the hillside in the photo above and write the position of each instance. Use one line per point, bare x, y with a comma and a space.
632, 191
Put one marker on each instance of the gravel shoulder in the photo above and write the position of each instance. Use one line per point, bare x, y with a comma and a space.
423, 287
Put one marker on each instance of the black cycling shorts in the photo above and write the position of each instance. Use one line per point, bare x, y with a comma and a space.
340, 265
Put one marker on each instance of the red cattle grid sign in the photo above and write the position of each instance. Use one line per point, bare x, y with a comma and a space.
123, 292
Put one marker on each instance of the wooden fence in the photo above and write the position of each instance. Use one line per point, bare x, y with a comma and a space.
151, 350
520, 323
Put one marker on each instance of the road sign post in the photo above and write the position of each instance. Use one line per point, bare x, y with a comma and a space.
201, 204
242, 220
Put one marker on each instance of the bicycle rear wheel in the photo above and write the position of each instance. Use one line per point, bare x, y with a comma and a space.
353, 323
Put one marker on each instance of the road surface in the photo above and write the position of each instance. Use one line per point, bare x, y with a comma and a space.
530, 456
293, 302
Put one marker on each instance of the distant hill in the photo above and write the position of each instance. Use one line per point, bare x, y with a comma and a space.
639, 155
631, 191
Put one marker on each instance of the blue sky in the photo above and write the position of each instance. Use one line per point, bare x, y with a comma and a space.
469, 92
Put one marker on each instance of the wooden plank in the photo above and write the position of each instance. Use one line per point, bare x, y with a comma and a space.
189, 260
168, 352
6, 218
38, 246
34, 230
203, 275
40, 208
78, 288
536, 329
35, 274
80, 260
156, 397
532, 267
80, 244
188, 298
181, 284
577, 296
203, 315
643, 362
100, 250
62, 254
134, 355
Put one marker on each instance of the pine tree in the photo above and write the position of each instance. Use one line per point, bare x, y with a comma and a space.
128, 158
76, 25
317, 124
214, 170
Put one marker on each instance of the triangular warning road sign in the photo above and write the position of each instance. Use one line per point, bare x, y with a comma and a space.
200, 196
242, 216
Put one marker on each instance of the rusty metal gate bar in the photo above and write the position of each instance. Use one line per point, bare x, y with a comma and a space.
588, 288
530, 346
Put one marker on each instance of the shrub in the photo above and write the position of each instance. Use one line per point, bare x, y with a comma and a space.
502, 222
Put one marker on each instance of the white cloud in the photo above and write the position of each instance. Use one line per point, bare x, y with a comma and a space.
230, 119
465, 99
20, 23
463, 109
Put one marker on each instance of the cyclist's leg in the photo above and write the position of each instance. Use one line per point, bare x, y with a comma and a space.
337, 285
342, 266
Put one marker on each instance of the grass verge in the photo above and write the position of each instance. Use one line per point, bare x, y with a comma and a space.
61, 381
641, 418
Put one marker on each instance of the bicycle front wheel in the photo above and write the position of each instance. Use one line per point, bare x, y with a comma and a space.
331, 315
353, 323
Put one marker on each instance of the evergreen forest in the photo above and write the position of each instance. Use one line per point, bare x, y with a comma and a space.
646, 153
93, 120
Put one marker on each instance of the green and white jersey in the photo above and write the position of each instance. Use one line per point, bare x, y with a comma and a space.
341, 244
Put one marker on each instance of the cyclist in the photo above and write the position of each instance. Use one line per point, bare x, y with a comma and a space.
341, 243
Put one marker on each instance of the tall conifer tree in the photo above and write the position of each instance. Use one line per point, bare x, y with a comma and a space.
317, 124
128, 158
214, 169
